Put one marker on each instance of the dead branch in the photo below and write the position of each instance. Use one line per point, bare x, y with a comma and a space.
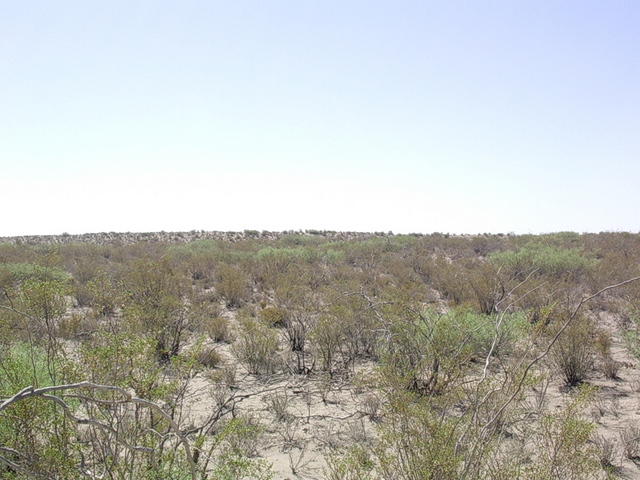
45, 392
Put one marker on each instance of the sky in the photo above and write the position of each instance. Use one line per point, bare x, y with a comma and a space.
406, 116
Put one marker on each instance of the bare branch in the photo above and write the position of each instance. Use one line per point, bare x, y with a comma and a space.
45, 392
546, 351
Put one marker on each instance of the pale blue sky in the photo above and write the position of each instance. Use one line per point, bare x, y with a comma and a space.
462, 117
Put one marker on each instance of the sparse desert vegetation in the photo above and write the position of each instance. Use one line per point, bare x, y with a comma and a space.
259, 355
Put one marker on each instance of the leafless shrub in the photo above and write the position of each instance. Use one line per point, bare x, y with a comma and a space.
540, 394
357, 433
630, 441
289, 432
608, 449
610, 367
297, 460
608, 406
371, 405
278, 404
603, 343
327, 436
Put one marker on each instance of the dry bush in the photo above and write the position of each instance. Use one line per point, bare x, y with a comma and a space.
610, 367
573, 352
278, 404
630, 441
603, 343
225, 376
274, 316
209, 357
256, 346
218, 329
370, 405
232, 285
609, 451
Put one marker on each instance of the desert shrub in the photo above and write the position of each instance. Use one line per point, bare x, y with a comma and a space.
203, 307
490, 333
297, 329
602, 345
223, 377
236, 447
209, 357
327, 338
630, 441
431, 351
256, 346
443, 275
218, 329
610, 367
334, 256
33, 427
104, 296
603, 342
417, 443
608, 452
631, 331
70, 326
21, 365
123, 360
370, 405
474, 281
573, 353
354, 464
44, 300
548, 260
274, 316
198, 258
20, 272
563, 447
278, 403
272, 263
154, 304
36, 308
231, 284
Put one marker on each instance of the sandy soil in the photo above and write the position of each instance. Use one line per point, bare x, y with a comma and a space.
306, 418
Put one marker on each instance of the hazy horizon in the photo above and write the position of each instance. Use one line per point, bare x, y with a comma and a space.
405, 116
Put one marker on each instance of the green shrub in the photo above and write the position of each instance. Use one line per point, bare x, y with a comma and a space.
354, 464
417, 443
554, 261
104, 295
20, 272
563, 447
34, 426
124, 360
237, 445
432, 351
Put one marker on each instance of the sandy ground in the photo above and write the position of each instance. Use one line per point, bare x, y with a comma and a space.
305, 418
